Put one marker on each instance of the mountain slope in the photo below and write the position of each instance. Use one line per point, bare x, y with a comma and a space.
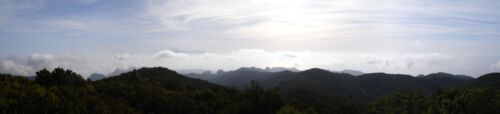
314, 91
146, 90
240, 78
446, 80
310, 85
160, 90
380, 84
96, 76
315, 84
158, 75
491, 80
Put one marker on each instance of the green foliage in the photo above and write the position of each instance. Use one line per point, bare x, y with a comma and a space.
147, 90
59, 77
266, 102
455, 101
413, 103
491, 80
159, 90
292, 110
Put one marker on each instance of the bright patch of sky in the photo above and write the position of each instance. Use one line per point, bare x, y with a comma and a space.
394, 36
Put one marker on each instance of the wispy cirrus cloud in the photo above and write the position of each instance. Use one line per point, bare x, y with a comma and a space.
302, 19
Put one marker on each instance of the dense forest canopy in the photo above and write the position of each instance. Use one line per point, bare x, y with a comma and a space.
160, 90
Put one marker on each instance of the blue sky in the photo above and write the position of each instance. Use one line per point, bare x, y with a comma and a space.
395, 36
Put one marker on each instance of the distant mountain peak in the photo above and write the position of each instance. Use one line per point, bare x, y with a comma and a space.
375, 74
316, 70
250, 69
445, 75
188, 71
491, 76
267, 69
119, 71
160, 75
352, 72
160, 69
96, 76
280, 69
220, 72
442, 73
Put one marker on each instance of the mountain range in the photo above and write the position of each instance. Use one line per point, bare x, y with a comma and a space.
249, 91
208, 75
315, 84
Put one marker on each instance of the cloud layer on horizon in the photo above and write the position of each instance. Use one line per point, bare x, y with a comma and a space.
369, 62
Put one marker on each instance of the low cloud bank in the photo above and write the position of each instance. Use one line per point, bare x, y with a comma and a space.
368, 62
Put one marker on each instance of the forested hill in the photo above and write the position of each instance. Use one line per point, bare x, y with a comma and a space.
160, 76
163, 91
146, 90
316, 84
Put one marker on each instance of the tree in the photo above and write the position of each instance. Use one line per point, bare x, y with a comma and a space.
59, 77
288, 109
262, 101
44, 77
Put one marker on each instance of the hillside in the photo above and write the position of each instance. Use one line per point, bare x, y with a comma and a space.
240, 78
146, 90
321, 83
162, 76
491, 80
314, 91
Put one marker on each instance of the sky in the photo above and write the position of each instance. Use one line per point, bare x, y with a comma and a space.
394, 36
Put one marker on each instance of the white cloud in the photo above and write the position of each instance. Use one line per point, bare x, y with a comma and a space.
122, 56
405, 61
495, 66
9, 66
409, 63
29, 65
165, 54
279, 20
